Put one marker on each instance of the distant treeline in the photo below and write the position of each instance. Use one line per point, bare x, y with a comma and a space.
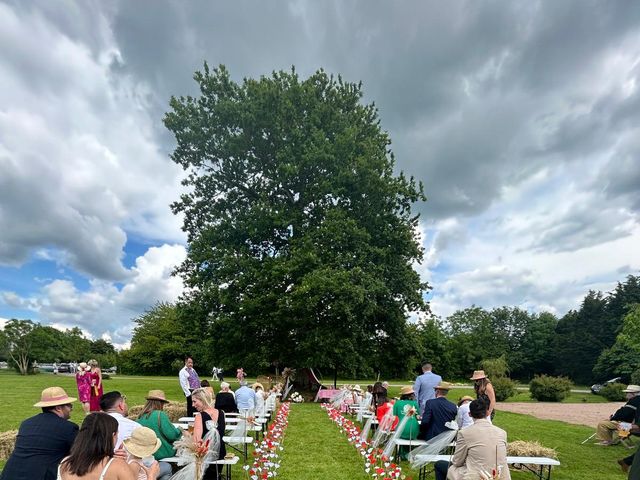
601, 339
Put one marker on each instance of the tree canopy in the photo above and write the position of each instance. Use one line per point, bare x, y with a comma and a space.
301, 237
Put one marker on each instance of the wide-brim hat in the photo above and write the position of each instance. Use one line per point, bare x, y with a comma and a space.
157, 395
632, 389
478, 375
466, 398
54, 396
256, 385
408, 390
356, 388
143, 442
82, 365
443, 386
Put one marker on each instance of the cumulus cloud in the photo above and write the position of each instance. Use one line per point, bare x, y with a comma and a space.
80, 165
106, 309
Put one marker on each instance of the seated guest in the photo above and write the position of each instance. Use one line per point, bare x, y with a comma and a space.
209, 425
437, 412
463, 418
43, 440
626, 413
401, 408
205, 384
115, 404
379, 395
382, 410
140, 445
91, 454
225, 400
259, 391
245, 399
478, 447
153, 417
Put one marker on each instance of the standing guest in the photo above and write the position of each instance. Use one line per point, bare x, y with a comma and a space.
245, 399
463, 418
91, 456
189, 381
240, 374
153, 417
43, 440
210, 424
96, 386
259, 391
437, 412
482, 446
225, 400
83, 381
424, 387
115, 404
484, 389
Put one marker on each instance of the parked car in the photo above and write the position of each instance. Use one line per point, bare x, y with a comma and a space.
596, 387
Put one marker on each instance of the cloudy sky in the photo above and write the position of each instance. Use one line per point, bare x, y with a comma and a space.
522, 118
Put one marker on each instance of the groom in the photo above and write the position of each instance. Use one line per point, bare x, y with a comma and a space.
189, 381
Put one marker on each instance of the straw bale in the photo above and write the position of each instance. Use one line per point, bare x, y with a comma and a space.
521, 448
7, 443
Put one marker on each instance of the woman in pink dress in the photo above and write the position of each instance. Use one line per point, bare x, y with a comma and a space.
83, 380
96, 386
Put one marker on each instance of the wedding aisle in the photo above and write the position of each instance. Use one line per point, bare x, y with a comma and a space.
314, 449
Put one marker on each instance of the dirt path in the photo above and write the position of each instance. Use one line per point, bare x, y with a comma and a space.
579, 413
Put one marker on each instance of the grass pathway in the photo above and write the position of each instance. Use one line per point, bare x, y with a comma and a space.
314, 448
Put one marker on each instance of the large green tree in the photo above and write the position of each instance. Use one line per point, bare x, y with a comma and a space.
18, 340
301, 235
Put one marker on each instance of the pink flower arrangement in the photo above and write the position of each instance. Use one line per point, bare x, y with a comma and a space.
375, 464
266, 453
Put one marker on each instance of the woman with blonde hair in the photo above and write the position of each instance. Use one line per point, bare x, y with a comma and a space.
96, 385
91, 455
209, 425
153, 417
484, 389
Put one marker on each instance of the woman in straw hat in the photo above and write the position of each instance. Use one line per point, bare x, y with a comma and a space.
484, 389
153, 417
83, 381
140, 446
91, 455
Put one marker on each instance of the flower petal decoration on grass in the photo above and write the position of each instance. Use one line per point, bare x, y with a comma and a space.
375, 464
267, 453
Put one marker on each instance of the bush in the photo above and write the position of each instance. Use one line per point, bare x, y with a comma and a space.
613, 392
495, 367
550, 389
635, 377
504, 388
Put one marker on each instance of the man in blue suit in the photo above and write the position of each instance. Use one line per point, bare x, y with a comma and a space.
44, 440
424, 387
437, 412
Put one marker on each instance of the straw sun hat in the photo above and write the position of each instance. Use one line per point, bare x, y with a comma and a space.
478, 375
54, 396
406, 390
632, 389
157, 395
443, 386
143, 442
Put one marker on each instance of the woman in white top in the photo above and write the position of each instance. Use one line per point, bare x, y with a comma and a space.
91, 456
463, 418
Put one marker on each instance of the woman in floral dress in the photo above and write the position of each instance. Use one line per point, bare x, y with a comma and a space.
96, 386
83, 380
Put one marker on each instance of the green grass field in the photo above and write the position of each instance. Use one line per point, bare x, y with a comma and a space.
314, 448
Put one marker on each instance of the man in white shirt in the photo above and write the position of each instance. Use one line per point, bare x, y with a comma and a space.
189, 381
115, 404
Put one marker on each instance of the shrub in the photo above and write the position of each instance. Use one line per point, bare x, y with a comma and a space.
549, 389
504, 388
613, 392
635, 377
495, 367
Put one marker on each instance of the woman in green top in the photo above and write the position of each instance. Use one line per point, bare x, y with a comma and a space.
154, 418
406, 404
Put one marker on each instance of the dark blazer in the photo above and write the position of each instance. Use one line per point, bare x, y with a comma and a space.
226, 402
437, 412
628, 411
42, 442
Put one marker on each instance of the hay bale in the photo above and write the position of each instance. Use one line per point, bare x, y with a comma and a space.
174, 411
7, 443
521, 448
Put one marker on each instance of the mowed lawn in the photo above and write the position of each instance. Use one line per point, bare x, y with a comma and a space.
314, 448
